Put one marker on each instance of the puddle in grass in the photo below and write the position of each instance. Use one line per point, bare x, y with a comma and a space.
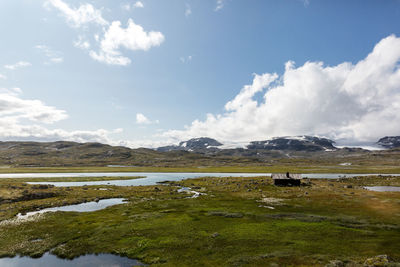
383, 188
190, 191
100, 260
82, 207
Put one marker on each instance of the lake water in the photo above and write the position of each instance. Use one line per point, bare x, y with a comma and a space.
48, 260
383, 188
82, 207
152, 178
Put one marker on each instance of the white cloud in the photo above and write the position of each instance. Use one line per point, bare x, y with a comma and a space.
18, 65
347, 102
78, 17
111, 37
52, 55
133, 37
220, 5
16, 108
188, 10
138, 4
3, 77
26, 119
82, 43
142, 119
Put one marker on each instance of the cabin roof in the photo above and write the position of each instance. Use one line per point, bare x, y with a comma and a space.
296, 176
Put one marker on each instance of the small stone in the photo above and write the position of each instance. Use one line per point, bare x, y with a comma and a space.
214, 235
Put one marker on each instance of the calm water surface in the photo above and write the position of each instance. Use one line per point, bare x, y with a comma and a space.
48, 260
82, 207
152, 178
383, 188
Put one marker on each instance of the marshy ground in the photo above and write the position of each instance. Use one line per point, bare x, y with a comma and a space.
235, 222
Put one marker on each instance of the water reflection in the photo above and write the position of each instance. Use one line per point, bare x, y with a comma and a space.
82, 207
100, 260
383, 188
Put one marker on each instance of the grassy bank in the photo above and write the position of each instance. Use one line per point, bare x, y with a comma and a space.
237, 222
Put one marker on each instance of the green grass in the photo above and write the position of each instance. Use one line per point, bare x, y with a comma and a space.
311, 226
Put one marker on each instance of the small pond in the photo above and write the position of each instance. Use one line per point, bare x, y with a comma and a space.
82, 207
100, 260
188, 190
383, 188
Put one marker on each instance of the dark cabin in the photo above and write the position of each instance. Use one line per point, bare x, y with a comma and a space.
286, 179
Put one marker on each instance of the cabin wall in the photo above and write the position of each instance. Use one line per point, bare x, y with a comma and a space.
287, 182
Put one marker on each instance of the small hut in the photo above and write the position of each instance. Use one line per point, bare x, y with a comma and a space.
286, 179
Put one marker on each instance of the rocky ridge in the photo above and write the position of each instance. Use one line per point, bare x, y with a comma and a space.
389, 142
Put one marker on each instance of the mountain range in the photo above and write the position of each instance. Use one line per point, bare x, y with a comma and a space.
195, 152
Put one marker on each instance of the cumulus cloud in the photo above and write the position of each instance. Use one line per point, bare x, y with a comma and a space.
78, 17
111, 37
18, 65
53, 56
16, 108
133, 37
142, 119
138, 4
348, 102
27, 119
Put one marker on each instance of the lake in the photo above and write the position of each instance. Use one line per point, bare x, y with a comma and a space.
152, 178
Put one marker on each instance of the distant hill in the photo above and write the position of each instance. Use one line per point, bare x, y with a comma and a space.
294, 143
389, 142
195, 144
195, 152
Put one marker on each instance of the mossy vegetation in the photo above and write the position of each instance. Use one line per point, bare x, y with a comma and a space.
235, 222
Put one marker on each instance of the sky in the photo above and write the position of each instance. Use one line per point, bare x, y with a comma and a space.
150, 73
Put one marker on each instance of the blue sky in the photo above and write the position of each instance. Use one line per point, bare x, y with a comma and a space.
155, 69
